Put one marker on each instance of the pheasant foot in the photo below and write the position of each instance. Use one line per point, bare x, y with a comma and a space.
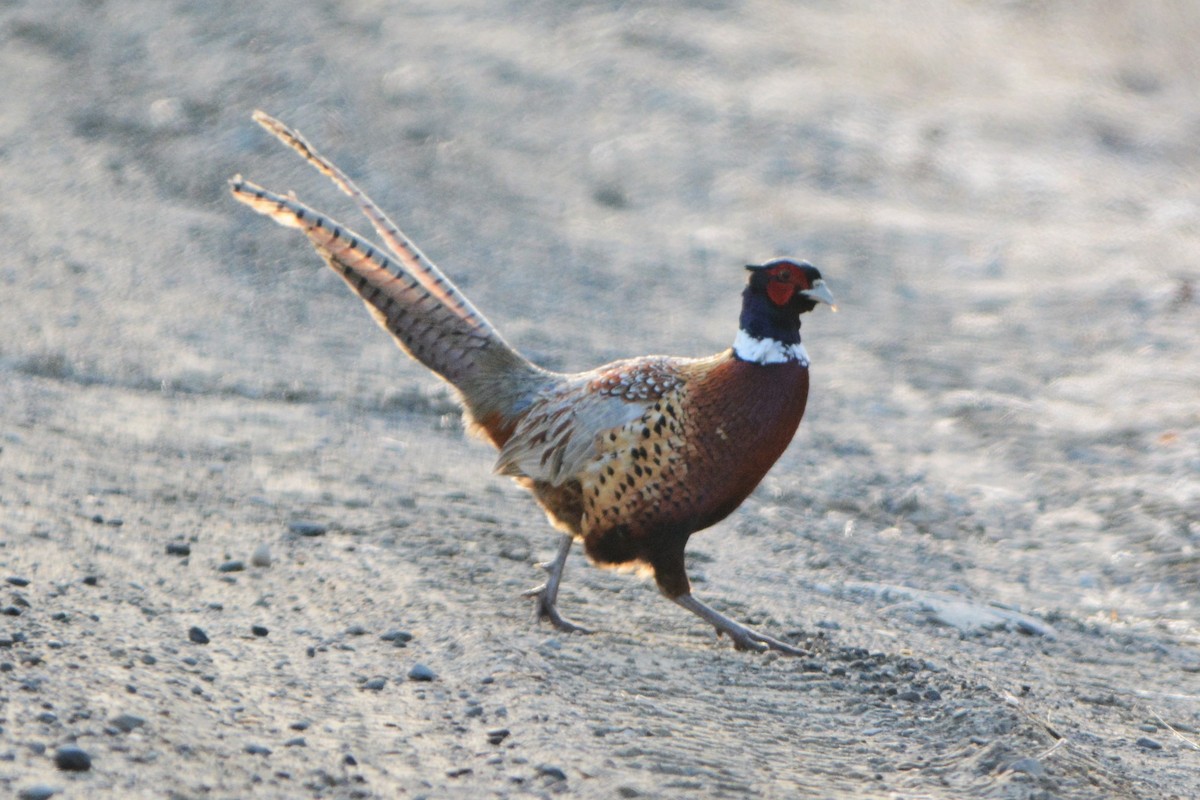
743, 638
546, 595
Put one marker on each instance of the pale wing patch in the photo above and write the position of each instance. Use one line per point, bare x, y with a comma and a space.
556, 439
562, 433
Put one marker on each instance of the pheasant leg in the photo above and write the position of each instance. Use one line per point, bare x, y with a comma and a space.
546, 595
743, 638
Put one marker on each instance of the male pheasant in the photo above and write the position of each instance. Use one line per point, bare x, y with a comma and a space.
630, 458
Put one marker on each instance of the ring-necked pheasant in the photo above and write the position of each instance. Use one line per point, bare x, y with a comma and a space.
630, 458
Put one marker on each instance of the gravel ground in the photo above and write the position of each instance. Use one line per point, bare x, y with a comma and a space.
247, 550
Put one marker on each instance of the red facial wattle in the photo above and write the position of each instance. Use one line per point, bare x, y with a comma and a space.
780, 292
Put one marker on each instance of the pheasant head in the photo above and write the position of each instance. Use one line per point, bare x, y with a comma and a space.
776, 294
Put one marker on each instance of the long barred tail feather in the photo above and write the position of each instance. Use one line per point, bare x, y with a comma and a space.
406, 252
435, 325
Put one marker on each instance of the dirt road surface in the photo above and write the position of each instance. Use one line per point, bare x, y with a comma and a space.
986, 532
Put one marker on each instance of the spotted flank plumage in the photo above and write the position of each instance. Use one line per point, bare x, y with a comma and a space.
631, 458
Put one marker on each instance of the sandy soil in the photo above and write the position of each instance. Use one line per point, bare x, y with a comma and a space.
986, 531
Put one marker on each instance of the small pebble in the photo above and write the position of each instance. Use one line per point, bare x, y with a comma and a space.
350, 761
72, 759
197, 635
375, 684
909, 696
38, 792
420, 672
397, 638
302, 527
356, 630
300, 725
16, 580
90, 580
127, 722
179, 549
259, 630
1149, 744
47, 717
498, 735
261, 556
458, 772
257, 750
232, 566
552, 772
1030, 766
296, 741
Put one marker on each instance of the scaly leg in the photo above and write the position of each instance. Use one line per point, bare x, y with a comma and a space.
743, 638
547, 593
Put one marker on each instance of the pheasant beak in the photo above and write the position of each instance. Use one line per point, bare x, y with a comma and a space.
820, 292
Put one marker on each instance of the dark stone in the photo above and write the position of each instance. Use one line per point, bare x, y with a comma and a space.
72, 759
302, 527
16, 580
1147, 743
179, 549
127, 722
259, 630
257, 750
232, 566
420, 672
197, 635
498, 735
552, 772
375, 684
38, 792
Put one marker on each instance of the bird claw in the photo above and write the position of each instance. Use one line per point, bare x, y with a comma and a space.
748, 639
545, 609
743, 638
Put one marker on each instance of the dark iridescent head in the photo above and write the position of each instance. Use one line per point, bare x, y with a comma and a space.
776, 294
794, 286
